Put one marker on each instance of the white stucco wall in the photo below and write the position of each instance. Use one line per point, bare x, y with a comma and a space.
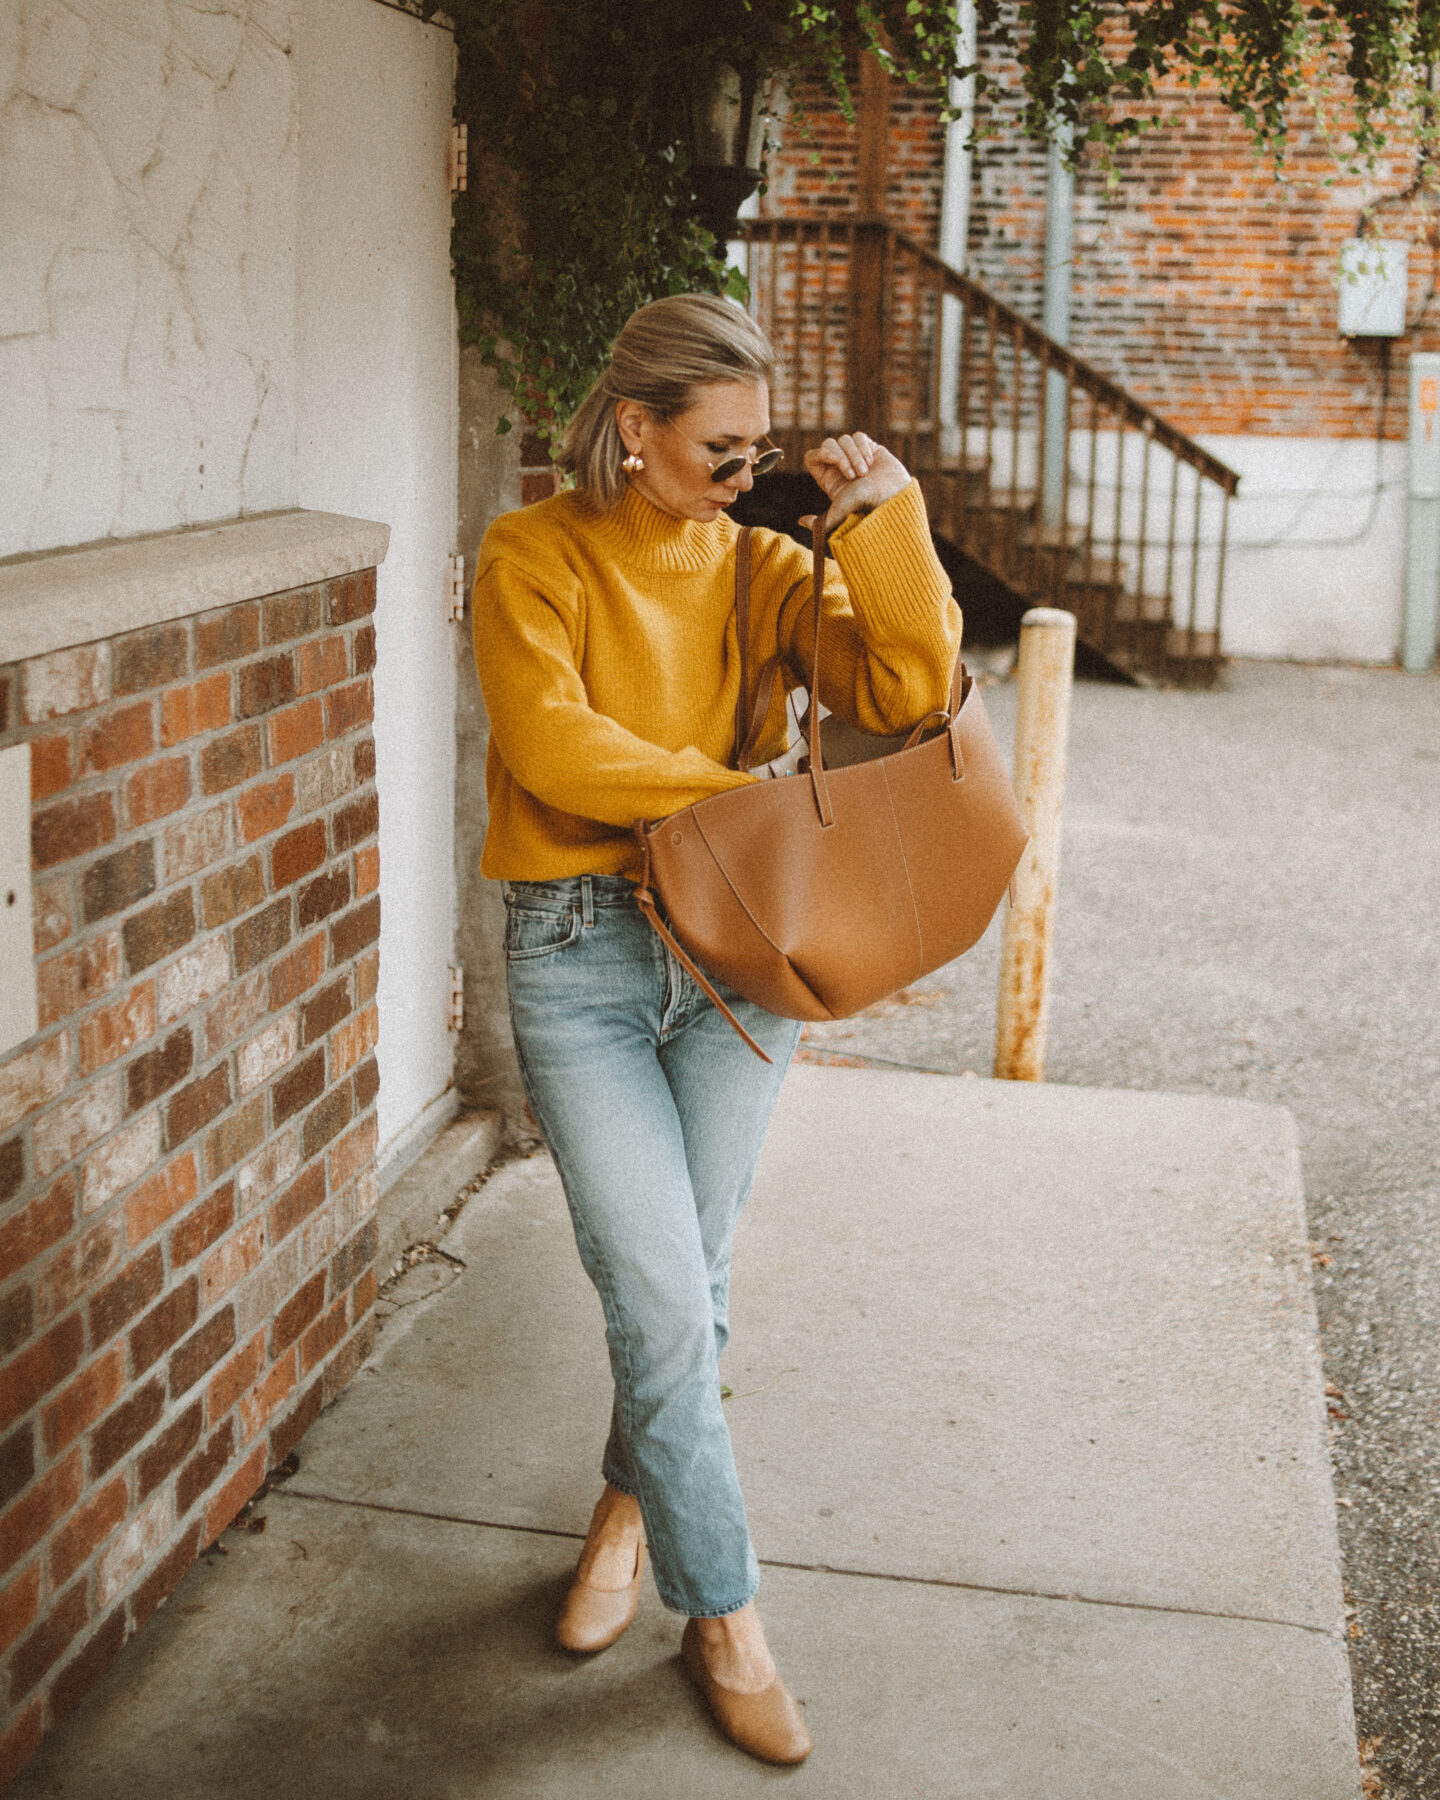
225, 289
1315, 568
376, 437
1315, 557
147, 181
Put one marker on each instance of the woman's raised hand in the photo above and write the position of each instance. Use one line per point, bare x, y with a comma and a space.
856, 473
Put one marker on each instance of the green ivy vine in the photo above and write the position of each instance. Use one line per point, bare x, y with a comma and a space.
580, 205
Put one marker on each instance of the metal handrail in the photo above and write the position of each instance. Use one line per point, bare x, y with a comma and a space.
1080, 373
873, 329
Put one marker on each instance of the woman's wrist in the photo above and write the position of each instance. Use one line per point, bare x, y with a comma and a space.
863, 508
895, 486
857, 474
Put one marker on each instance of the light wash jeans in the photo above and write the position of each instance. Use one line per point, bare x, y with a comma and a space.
654, 1111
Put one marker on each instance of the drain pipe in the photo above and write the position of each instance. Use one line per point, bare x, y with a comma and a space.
1055, 319
1422, 516
955, 225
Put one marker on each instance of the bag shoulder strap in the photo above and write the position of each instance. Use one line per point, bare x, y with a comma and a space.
742, 634
748, 735
818, 783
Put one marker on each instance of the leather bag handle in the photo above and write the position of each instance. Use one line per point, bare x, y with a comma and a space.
959, 687
764, 697
743, 741
819, 785
746, 741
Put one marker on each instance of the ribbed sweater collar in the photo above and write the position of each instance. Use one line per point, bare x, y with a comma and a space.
641, 536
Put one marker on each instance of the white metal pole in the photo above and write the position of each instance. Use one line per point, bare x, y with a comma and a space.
1422, 516
1055, 318
1042, 731
955, 224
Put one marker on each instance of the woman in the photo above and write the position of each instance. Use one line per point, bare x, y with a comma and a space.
605, 641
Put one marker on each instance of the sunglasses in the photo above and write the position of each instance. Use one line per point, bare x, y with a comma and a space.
761, 461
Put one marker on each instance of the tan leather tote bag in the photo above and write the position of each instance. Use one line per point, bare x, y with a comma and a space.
817, 894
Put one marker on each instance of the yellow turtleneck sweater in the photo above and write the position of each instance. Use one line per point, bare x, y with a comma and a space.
607, 654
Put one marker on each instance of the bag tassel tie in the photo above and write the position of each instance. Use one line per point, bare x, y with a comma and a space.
645, 900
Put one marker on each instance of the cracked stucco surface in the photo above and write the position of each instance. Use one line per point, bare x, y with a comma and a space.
148, 155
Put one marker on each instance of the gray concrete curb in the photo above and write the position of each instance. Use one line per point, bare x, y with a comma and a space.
411, 1208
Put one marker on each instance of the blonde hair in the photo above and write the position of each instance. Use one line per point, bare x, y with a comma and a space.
664, 352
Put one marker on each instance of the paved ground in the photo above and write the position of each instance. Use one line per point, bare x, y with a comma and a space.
1249, 904
1027, 1398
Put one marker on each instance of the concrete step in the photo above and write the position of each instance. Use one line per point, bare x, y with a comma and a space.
411, 1206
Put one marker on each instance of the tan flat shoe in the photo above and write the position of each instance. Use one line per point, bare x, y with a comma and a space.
767, 1724
592, 1618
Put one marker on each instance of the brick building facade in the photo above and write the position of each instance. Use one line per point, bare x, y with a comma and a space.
1209, 290
1200, 283
187, 1145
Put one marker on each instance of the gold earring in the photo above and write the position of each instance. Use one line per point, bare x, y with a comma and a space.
633, 463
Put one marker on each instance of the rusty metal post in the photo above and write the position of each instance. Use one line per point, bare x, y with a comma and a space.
1042, 730
867, 348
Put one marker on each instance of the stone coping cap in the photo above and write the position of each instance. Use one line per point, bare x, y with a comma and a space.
56, 598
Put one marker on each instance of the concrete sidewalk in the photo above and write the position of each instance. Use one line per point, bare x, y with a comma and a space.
1028, 1408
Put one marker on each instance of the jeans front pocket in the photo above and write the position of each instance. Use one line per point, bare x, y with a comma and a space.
539, 930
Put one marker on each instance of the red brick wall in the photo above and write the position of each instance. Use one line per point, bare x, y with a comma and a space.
187, 1147
816, 171
539, 478
1200, 283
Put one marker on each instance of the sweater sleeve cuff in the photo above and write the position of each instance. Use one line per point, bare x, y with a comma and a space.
889, 563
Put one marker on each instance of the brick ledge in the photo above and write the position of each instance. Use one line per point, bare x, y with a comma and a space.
56, 598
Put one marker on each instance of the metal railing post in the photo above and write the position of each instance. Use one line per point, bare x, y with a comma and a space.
867, 360
1042, 730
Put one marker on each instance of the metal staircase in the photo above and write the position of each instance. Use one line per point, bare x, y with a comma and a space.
1040, 475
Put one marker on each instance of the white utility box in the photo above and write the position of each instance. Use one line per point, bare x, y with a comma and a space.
19, 1016
1374, 283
